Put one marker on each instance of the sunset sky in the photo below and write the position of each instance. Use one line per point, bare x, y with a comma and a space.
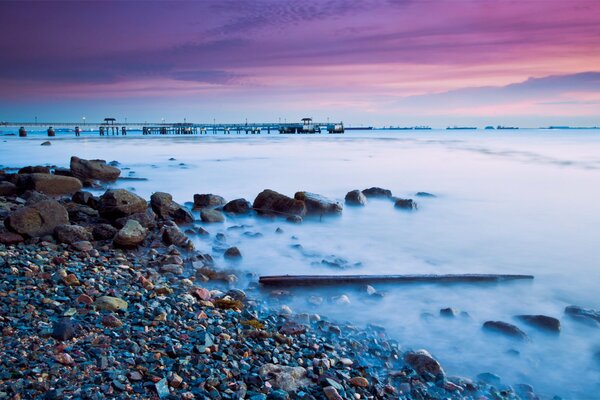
400, 62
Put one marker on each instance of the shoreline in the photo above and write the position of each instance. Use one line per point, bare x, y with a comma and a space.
96, 312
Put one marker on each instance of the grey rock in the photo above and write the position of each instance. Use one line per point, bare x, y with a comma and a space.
117, 203
425, 365
38, 219
238, 206
202, 201
131, 235
208, 215
541, 321
355, 198
52, 185
72, 233
317, 204
377, 192
505, 328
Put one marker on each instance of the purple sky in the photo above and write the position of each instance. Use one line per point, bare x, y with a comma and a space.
373, 62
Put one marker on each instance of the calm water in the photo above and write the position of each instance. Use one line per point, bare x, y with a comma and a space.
508, 202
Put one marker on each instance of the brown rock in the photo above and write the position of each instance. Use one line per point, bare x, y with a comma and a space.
7, 189
49, 184
238, 206
202, 201
210, 216
38, 219
164, 206
317, 204
271, 202
359, 381
72, 233
111, 321
119, 203
104, 232
424, 364
93, 169
10, 238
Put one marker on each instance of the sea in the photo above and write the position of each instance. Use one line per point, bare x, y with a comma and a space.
521, 201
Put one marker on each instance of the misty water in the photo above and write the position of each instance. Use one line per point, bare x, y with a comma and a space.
515, 202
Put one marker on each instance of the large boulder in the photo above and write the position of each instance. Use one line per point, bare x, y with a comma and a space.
202, 201
72, 233
164, 206
35, 169
7, 189
38, 219
377, 192
270, 202
117, 203
131, 235
505, 329
93, 169
355, 198
208, 215
317, 204
544, 322
53, 185
238, 206
425, 365
405, 204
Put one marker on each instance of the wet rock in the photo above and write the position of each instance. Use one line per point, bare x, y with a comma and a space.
359, 381
147, 219
110, 303
10, 238
38, 219
317, 204
238, 206
202, 201
81, 213
7, 189
46, 143
104, 232
287, 378
505, 328
211, 216
172, 235
331, 393
449, 312
118, 203
93, 169
85, 198
72, 233
405, 204
425, 365
63, 329
377, 192
233, 253
164, 206
424, 194
131, 235
541, 321
37, 169
582, 313
270, 202
355, 198
48, 184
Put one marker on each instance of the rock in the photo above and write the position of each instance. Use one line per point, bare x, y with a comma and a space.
331, 393
172, 235
238, 206
109, 303
582, 313
147, 219
377, 192
405, 204
7, 189
504, 328
317, 204
85, 198
131, 235
202, 201
10, 238
449, 312
294, 219
541, 321
32, 197
111, 321
359, 381
424, 194
425, 365
38, 219
93, 169
233, 253
81, 213
71, 233
83, 245
162, 388
490, 378
63, 329
64, 359
62, 171
208, 215
355, 198
164, 206
104, 232
117, 203
286, 378
38, 169
271, 202
53, 185
46, 143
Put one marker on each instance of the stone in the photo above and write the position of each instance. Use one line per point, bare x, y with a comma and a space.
131, 235
37, 169
294, 219
202, 201
331, 393
317, 204
582, 313
211, 216
425, 365
109, 303
405, 204
63, 329
38, 219
46, 143
64, 358
72, 233
355, 198
52, 185
232, 253
85, 198
7, 189
83, 245
424, 194
449, 312
283, 377
162, 388
104, 232
32, 197
505, 328
377, 192
238, 206
147, 219
172, 235
111, 321
359, 381
82, 213
118, 203
164, 206
269, 202
10, 238
93, 169
541, 321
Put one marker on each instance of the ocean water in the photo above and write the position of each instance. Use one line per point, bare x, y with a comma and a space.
514, 202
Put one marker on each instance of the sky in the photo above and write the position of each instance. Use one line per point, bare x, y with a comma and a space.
363, 62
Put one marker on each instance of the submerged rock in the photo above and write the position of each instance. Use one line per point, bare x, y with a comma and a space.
377, 192
270, 202
424, 194
93, 169
541, 321
355, 198
505, 328
210, 216
583, 314
232, 253
38, 219
425, 365
405, 204
317, 204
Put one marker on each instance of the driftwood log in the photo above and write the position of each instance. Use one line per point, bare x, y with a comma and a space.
328, 280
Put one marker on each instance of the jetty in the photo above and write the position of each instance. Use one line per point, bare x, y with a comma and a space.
112, 127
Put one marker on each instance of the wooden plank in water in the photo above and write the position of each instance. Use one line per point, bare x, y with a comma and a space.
324, 280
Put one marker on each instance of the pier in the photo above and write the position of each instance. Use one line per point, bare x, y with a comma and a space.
112, 127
